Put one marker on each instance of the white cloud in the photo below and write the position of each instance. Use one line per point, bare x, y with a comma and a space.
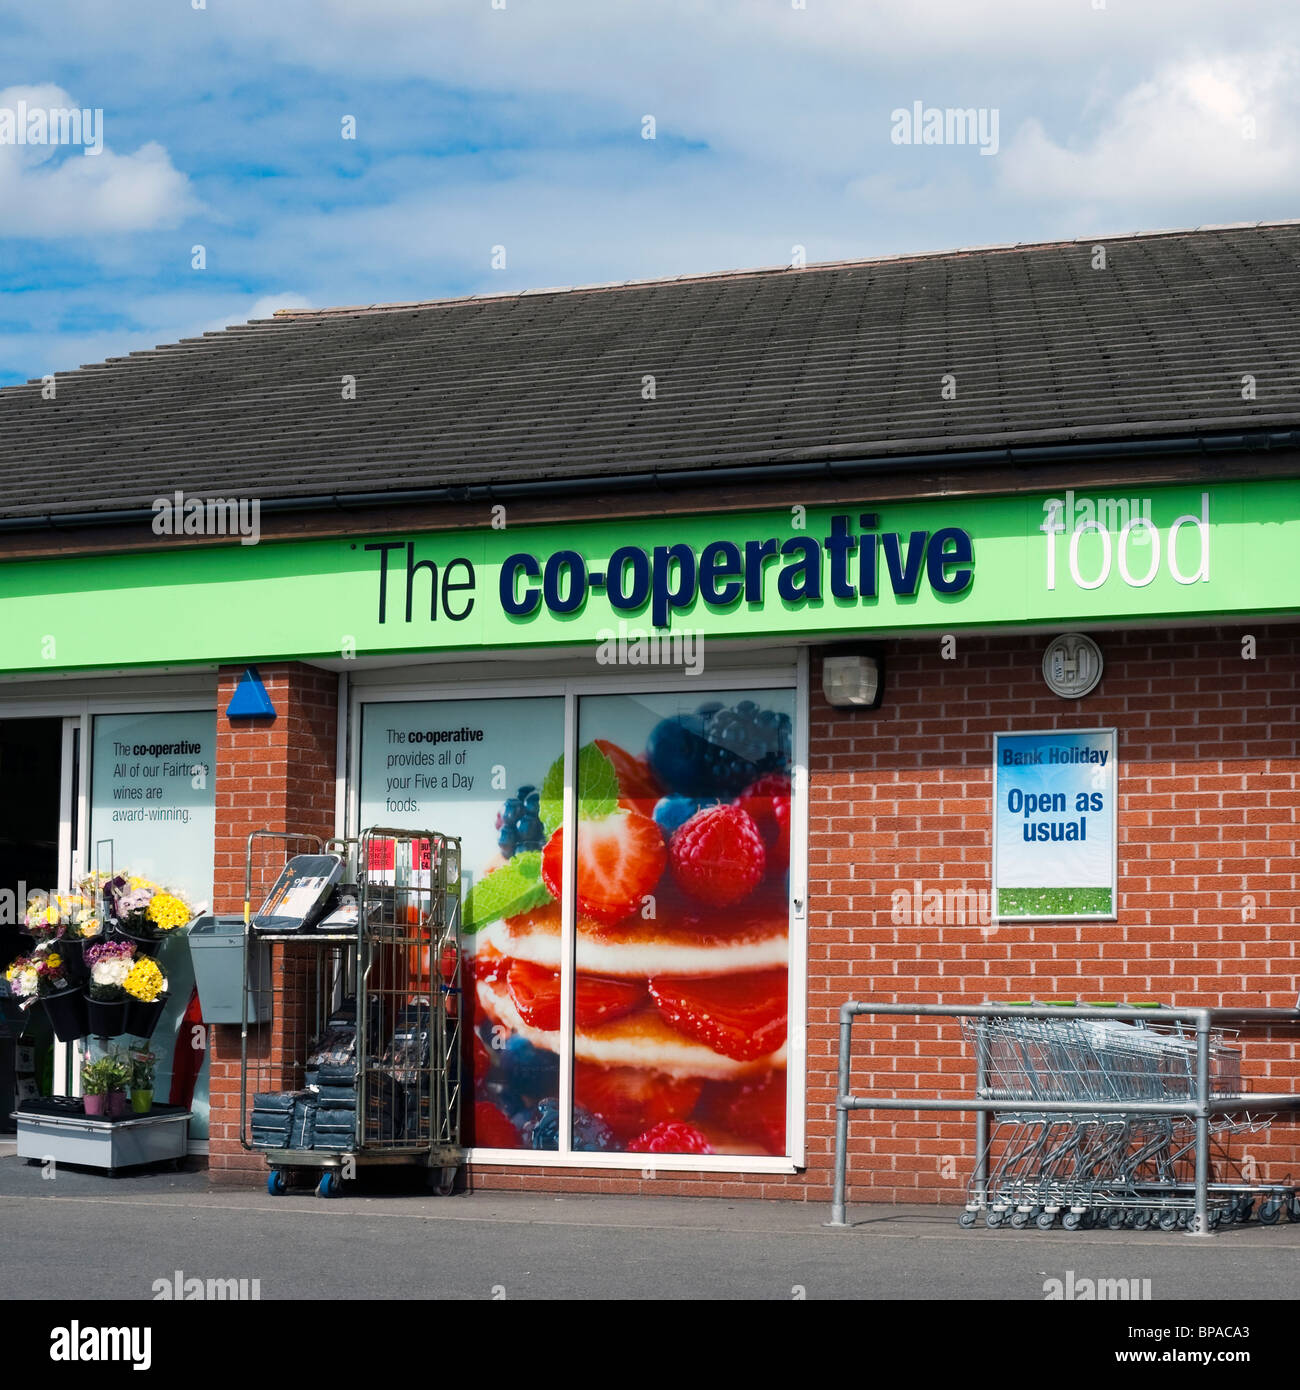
1185, 133
48, 190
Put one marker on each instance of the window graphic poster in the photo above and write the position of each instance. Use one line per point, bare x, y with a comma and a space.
680, 983
1054, 825
153, 812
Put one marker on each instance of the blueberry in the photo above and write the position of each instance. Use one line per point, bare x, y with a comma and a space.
542, 1129
506, 841
528, 1069
532, 801
672, 811
676, 752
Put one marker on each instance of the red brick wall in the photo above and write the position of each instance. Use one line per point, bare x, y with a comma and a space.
271, 775
1209, 795
1209, 762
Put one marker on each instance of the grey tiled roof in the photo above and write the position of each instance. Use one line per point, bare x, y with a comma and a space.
761, 367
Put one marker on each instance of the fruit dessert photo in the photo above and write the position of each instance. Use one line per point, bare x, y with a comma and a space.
681, 909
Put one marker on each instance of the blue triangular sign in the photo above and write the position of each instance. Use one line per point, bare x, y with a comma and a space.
250, 699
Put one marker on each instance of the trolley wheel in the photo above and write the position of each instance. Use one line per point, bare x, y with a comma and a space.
1293, 1207
1168, 1220
1072, 1220
992, 1219
275, 1183
1244, 1210
1045, 1220
966, 1219
1019, 1220
1115, 1219
1270, 1213
1141, 1220
1087, 1220
446, 1182
329, 1184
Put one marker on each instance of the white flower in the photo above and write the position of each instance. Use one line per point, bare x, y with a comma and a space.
25, 983
110, 972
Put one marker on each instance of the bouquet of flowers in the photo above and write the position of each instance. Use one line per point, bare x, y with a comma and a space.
84, 920
36, 976
145, 981
110, 963
144, 909
104, 1074
44, 921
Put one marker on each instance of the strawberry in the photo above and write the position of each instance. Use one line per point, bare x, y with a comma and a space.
492, 1130
768, 804
752, 1110
632, 1100
620, 859
489, 965
718, 856
670, 1137
636, 782
536, 994
741, 1016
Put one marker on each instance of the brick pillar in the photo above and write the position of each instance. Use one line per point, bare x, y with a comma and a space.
272, 774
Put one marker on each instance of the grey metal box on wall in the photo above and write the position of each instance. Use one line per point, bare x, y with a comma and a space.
217, 950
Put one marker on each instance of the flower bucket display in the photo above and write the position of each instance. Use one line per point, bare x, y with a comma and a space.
42, 978
103, 1081
146, 997
141, 1101
94, 1105
110, 964
143, 914
66, 1011
44, 920
116, 1105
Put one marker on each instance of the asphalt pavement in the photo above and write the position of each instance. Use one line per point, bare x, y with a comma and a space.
79, 1233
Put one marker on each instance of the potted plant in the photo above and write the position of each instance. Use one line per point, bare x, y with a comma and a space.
119, 1076
142, 1074
146, 997
41, 978
110, 963
145, 914
96, 1078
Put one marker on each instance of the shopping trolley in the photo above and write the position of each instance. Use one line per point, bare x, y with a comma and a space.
1117, 1167
350, 1050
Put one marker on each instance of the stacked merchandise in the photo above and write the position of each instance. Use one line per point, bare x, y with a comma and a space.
332, 1074
407, 1063
283, 1119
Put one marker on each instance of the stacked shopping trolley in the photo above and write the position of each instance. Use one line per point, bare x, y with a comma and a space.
1119, 1166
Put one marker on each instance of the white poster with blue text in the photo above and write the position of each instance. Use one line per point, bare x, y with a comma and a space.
1054, 825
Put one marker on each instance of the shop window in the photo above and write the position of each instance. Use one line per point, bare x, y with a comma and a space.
677, 858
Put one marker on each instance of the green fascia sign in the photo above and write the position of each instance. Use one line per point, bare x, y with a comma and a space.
849, 571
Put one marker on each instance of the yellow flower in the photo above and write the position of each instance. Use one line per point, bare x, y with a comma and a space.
54, 960
167, 912
145, 980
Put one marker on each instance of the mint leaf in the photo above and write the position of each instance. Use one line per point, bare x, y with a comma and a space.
597, 784
513, 888
598, 788
551, 809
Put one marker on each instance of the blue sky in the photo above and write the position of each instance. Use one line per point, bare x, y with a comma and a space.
521, 126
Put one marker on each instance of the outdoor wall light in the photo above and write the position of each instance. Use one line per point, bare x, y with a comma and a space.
853, 677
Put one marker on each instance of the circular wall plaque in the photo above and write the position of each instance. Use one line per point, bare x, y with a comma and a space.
1072, 665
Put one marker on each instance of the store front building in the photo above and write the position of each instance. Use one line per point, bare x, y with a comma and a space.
719, 761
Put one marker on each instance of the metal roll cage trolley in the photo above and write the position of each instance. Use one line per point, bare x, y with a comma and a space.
1101, 1115
350, 1045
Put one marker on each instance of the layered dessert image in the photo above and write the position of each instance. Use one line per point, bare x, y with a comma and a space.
682, 938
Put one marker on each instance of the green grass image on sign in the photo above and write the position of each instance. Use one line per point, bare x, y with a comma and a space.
1054, 902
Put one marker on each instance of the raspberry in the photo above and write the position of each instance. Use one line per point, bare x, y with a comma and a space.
718, 856
670, 1137
492, 1130
768, 802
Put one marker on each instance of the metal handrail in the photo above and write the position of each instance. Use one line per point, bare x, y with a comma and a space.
1201, 1109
